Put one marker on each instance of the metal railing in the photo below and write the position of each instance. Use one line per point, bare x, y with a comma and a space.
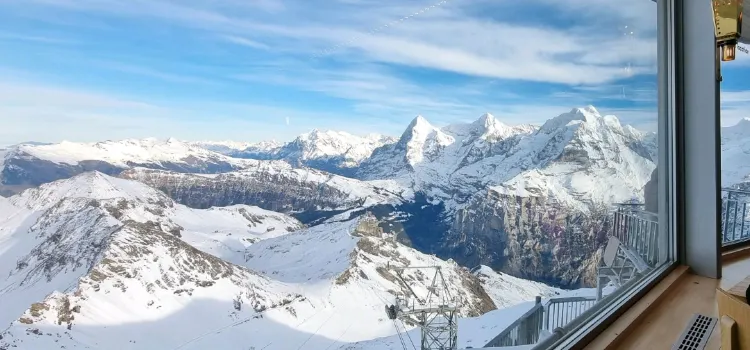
527, 329
638, 230
735, 226
558, 312
635, 228
524, 331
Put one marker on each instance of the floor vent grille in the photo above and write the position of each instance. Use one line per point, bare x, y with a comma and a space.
696, 334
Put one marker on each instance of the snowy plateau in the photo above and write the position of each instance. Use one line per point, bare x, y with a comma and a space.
169, 244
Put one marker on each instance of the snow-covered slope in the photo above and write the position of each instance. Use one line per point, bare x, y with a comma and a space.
219, 231
576, 157
35, 164
96, 262
346, 265
506, 290
475, 332
113, 257
735, 154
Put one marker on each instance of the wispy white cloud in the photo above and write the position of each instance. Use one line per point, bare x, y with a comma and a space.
370, 42
245, 42
46, 113
150, 72
35, 38
444, 38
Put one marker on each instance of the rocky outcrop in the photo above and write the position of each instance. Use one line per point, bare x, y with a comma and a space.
308, 194
529, 237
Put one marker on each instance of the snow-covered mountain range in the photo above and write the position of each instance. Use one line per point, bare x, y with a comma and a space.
576, 157
276, 245
97, 262
27, 165
449, 190
337, 152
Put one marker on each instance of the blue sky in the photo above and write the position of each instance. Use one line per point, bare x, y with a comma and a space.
247, 70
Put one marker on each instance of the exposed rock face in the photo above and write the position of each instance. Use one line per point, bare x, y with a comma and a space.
24, 169
311, 194
529, 238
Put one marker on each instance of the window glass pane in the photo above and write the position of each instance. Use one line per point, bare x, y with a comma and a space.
734, 136
324, 174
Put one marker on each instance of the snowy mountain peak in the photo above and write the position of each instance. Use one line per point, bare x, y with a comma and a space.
419, 128
323, 135
93, 185
589, 109
486, 120
742, 127
588, 115
487, 125
419, 122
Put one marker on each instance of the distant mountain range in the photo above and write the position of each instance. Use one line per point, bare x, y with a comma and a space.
451, 190
454, 191
275, 245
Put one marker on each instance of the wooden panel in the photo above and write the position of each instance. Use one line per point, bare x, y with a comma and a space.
728, 333
734, 272
739, 311
739, 289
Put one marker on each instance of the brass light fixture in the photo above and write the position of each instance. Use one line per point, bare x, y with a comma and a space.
727, 26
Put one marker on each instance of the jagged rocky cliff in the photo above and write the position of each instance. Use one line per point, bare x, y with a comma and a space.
529, 237
308, 193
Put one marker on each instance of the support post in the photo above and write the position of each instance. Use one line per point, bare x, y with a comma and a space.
698, 136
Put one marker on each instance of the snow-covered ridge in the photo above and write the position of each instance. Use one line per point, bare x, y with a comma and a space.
328, 150
123, 153
226, 147
577, 157
506, 290
219, 231
30, 165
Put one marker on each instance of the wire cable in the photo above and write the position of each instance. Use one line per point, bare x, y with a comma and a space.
403, 344
407, 334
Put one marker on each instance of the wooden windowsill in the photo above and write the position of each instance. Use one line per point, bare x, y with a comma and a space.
736, 253
622, 329
659, 317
